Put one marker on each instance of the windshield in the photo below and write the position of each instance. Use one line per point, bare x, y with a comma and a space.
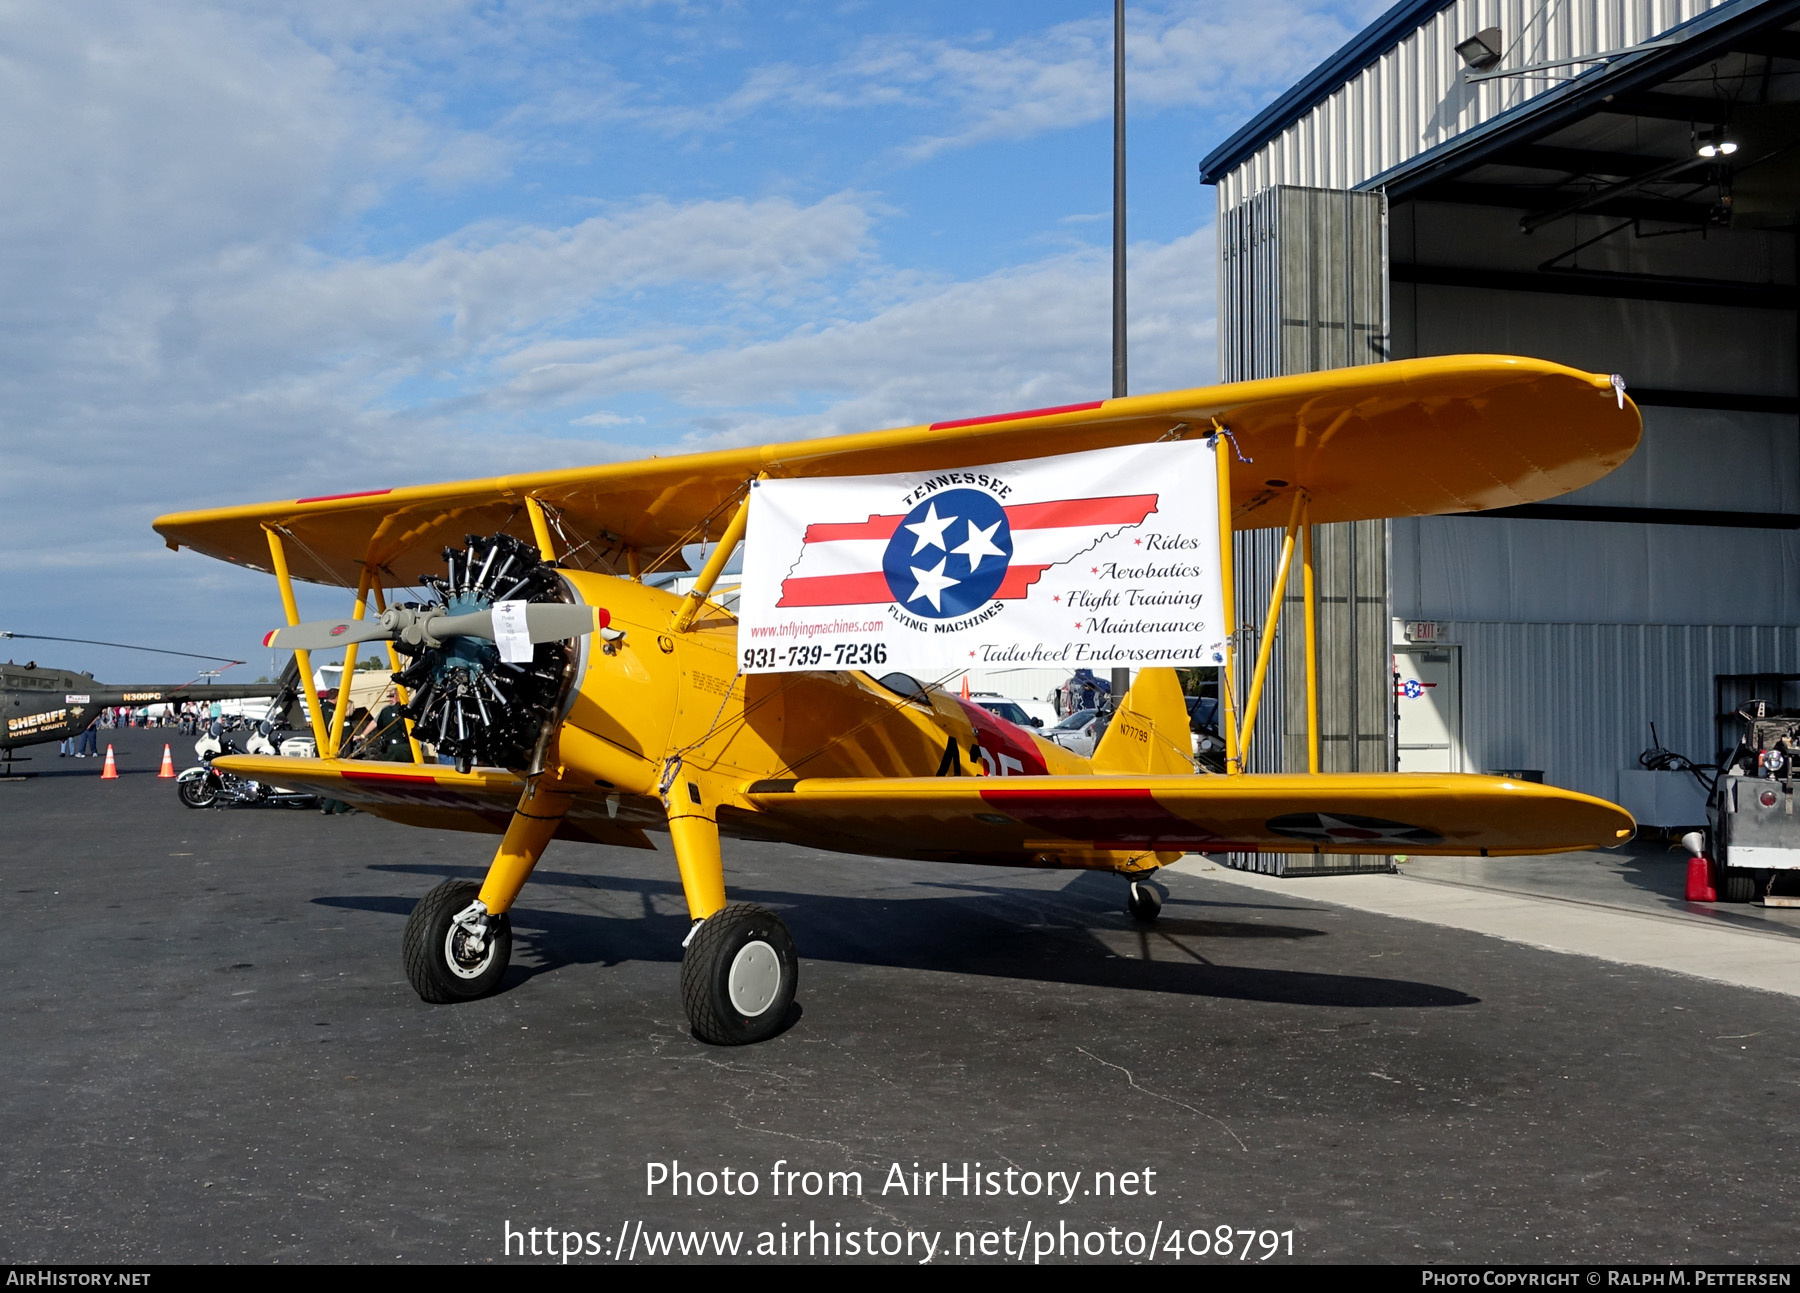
1080, 718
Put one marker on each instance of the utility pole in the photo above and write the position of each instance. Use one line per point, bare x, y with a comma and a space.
1121, 678
1118, 267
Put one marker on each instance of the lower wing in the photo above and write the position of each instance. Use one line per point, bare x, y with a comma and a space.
439, 796
1412, 813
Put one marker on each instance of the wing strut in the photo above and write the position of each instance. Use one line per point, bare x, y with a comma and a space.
285, 582
342, 708
1271, 621
540, 529
1299, 526
1228, 599
715, 564
400, 693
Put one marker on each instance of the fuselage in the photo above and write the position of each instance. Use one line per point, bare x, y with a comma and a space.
654, 692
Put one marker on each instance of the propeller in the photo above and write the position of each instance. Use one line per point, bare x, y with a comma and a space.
491, 663
432, 626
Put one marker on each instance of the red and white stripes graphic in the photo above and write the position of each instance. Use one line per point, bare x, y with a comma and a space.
840, 562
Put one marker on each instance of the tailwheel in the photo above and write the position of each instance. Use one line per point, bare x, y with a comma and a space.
738, 976
1143, 902
453, 949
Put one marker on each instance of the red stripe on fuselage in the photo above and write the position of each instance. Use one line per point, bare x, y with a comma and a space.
999, 737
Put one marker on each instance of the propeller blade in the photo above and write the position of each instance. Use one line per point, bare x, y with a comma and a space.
316, 635
544, 622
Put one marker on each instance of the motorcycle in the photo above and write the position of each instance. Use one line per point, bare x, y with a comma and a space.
205, 786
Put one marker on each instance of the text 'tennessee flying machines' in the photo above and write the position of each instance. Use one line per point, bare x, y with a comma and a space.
629, 708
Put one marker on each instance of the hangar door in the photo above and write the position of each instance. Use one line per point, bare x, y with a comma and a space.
1428, 709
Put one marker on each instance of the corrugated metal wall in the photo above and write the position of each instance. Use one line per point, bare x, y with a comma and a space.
1303, 276
1577, 700
1413, 97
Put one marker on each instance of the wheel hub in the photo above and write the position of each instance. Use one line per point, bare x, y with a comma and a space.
754, 979
467, 948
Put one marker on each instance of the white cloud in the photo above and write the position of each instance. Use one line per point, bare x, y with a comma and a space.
201, 308
1194, 54
1034, 335
605, 420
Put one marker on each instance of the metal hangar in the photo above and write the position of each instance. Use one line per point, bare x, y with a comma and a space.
1609, 185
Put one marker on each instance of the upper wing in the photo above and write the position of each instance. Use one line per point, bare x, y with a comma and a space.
1410, 813
1411, 438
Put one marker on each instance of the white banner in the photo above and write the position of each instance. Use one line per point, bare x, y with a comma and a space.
1098, 559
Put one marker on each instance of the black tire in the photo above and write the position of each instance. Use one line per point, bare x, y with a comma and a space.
1739, 885
1143, 902
739, 975
198, 792
431, 945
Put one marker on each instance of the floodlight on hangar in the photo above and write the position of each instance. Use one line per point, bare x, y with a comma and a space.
1482, 50
1714, 143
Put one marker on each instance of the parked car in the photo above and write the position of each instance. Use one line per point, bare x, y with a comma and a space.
1011, 710
1080, 731
1203, 722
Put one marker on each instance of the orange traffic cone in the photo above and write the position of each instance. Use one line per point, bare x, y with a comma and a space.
111, 771
167, 771
965, 687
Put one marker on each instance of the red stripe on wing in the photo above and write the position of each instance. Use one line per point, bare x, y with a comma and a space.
1108, 816
332, 498
1013, 417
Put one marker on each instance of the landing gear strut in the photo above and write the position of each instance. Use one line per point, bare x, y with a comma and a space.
1143, 902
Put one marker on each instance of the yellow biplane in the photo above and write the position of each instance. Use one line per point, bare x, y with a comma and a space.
626, 710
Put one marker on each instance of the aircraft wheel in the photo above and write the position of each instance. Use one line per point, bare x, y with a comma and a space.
1143, 902
1739, 886
198, 792
738, 976
441, 963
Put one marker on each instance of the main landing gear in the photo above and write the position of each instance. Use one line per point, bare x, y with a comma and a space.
739, 970
738, 975
453, 948
1143, 902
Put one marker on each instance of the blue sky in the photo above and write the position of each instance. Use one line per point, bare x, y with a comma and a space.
268, 249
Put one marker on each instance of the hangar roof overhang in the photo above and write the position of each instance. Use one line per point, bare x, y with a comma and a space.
1620, 139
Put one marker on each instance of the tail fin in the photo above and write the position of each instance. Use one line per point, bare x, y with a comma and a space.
1149, 733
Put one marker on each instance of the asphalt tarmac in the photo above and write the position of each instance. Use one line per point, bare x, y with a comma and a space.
211, 1054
